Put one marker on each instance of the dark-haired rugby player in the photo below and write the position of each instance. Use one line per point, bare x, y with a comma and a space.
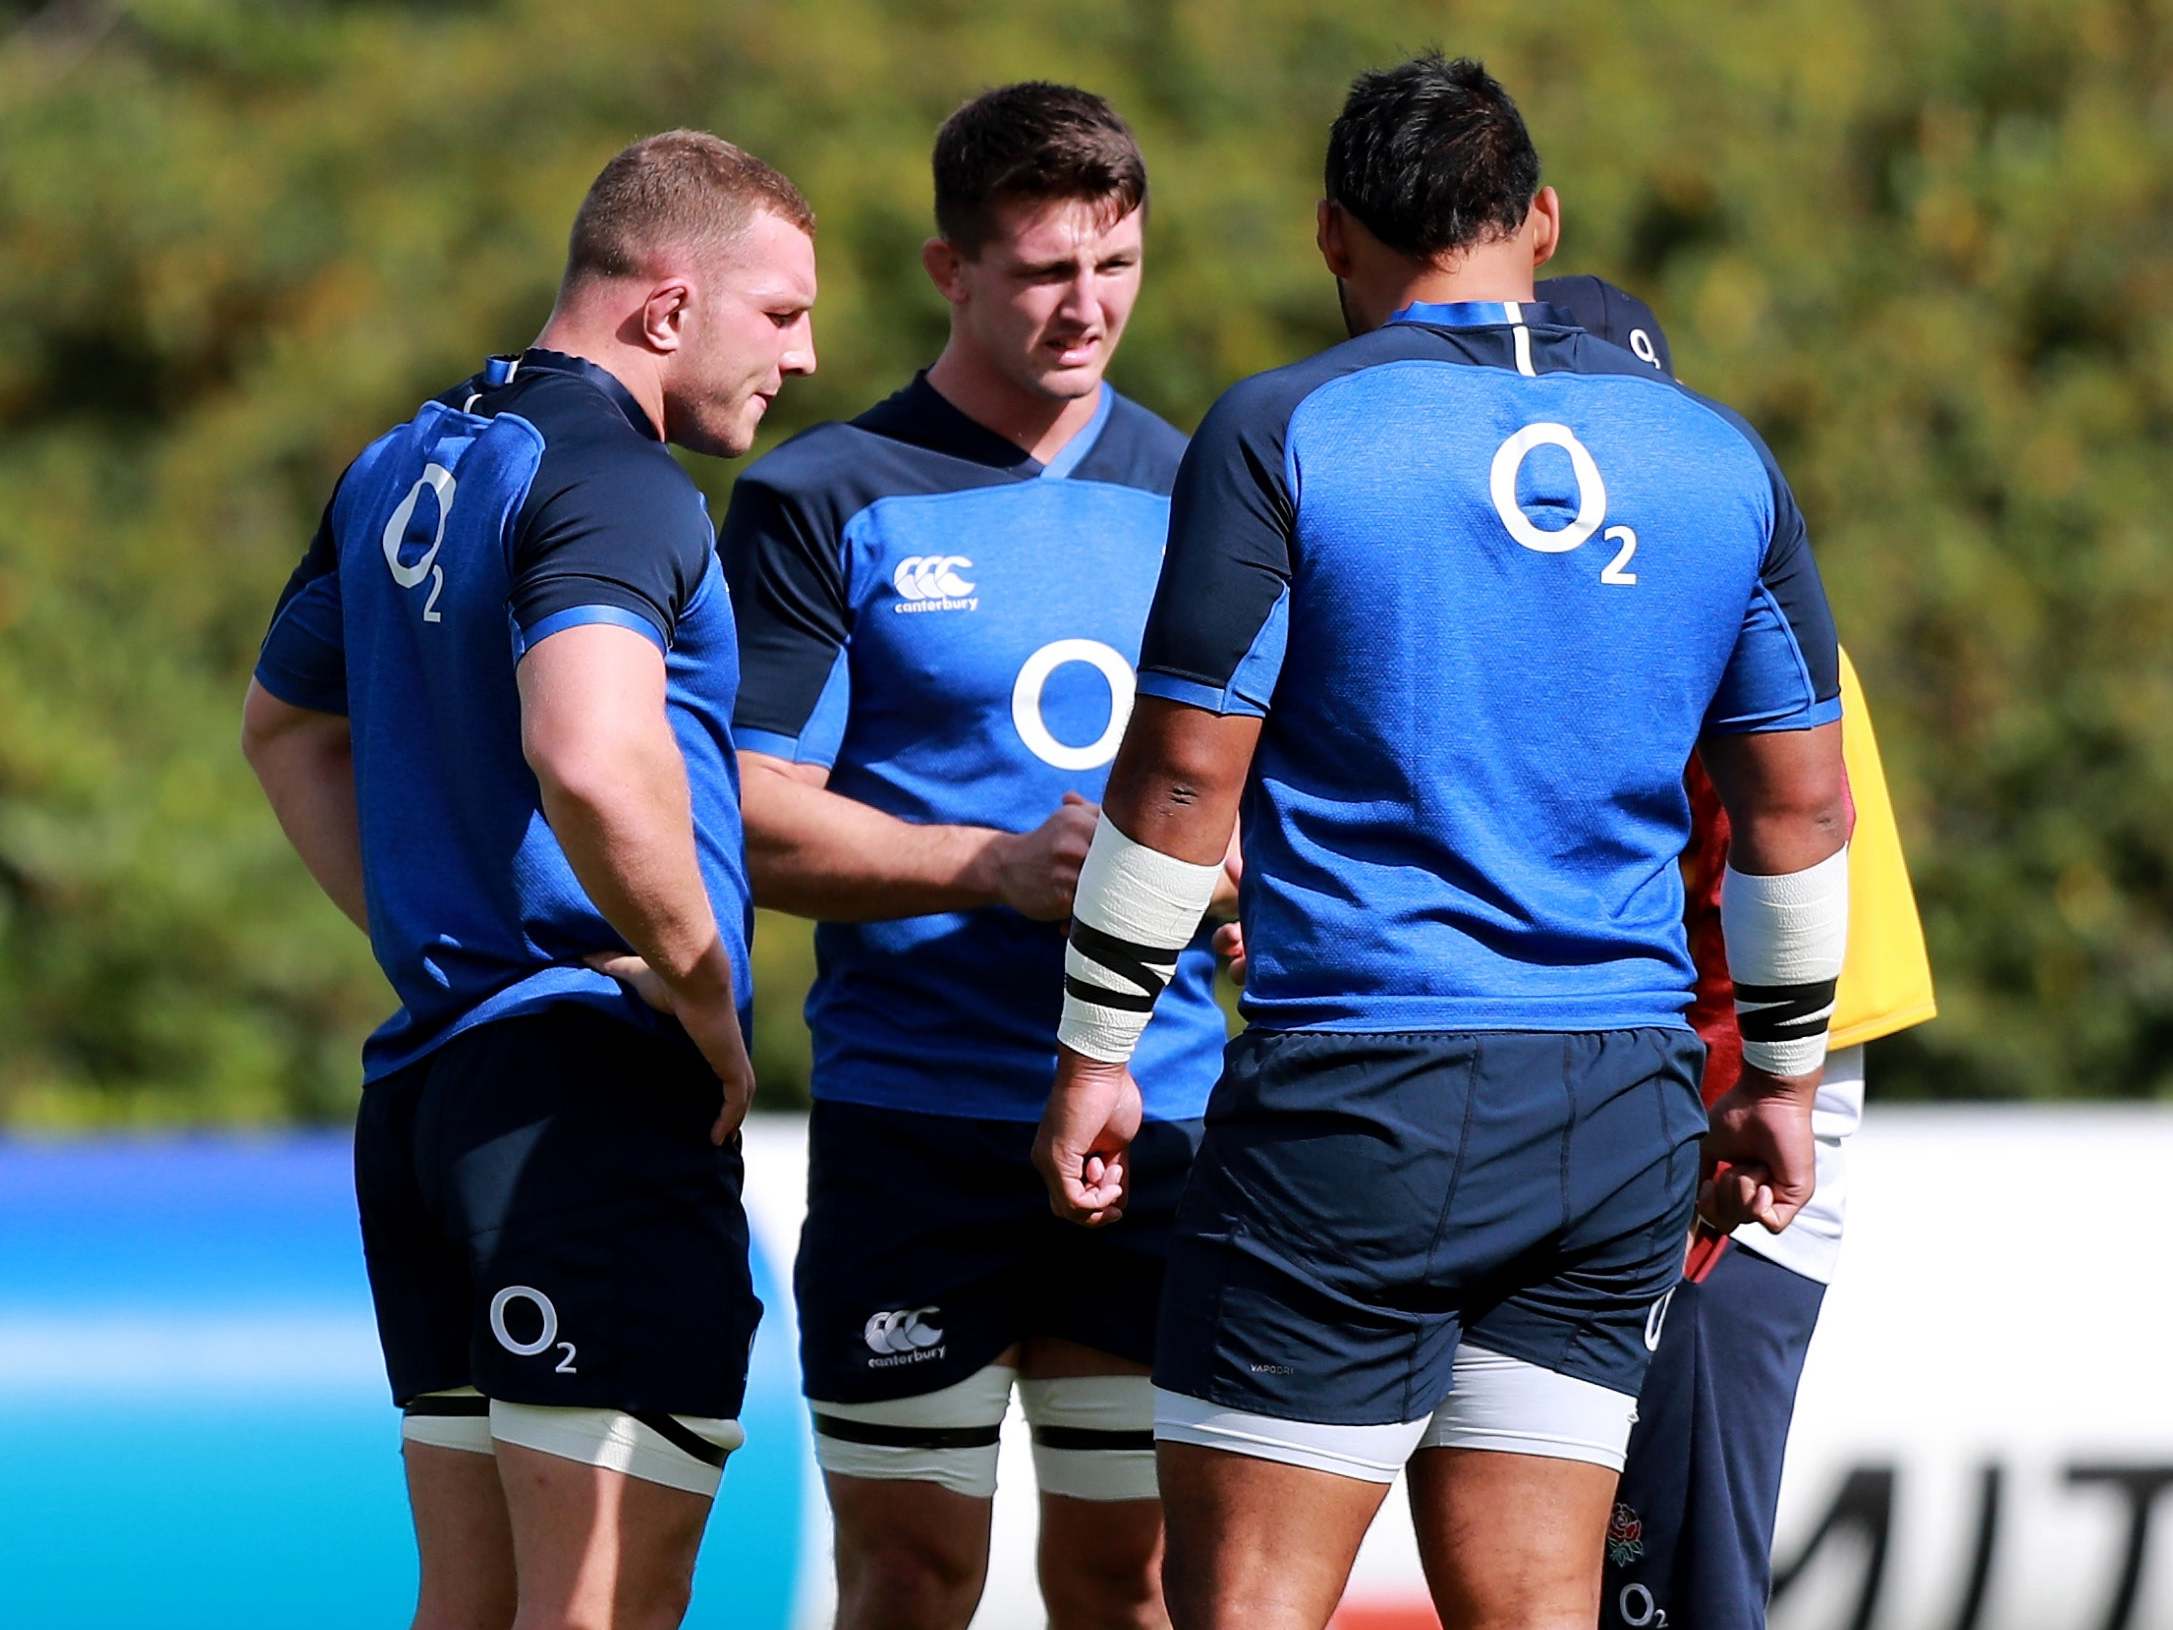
1448, 607
940, 605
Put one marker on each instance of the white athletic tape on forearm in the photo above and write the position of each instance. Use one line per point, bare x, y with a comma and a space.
1786, 936
1135, 911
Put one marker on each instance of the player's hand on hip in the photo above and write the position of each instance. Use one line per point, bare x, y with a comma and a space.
1230, 946
1037, 872
1083, 1148
711, 1021
713, 1026
1758, 1164
637, 976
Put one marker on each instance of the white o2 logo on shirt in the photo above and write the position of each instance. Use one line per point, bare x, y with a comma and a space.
440, 480
1034, 678
1591, 500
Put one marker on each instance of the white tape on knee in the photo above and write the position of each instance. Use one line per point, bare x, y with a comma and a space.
457, 1418
1133, 914
1093, 1435
680, 1451
947, 1437
1786, 937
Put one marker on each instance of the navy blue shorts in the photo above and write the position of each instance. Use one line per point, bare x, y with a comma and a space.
1364, 1202
1691, 1544
930, 1248
545, 1220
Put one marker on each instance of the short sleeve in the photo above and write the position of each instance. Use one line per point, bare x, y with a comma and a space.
1216, 634
1785, 670
621, 540
785, 565
303, 660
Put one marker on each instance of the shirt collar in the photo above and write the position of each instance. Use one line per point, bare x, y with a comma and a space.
501, 369
1484, 314
938, 423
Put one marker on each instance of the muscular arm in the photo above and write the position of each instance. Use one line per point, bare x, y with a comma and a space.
1786, 794
1178, 777
614, 789
817, 853
614, 786
305, 762
1173, 790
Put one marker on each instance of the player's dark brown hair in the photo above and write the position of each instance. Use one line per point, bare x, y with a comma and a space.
683, 187
1432, 156
1034, 141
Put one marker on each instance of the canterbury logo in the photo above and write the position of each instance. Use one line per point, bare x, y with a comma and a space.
902, 1332
932, 577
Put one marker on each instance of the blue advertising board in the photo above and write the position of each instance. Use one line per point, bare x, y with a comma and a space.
194, 1424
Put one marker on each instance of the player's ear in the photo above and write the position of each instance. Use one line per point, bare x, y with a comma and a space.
1331, 231
664, 313
1545, 222
943, 263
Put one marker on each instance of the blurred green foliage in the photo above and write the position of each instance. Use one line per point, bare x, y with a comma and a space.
1927, 248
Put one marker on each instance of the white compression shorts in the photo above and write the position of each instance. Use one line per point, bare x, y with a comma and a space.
1497, 1403
679, 1451
1093, 1435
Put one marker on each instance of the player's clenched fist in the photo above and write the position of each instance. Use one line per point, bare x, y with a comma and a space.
1038, 871
1758, 1161
1081, 1151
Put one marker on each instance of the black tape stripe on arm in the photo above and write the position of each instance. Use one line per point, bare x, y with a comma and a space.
679, 1437
447, 1406
1786, 1012
1124, 1001
908, 1437
1127, 959
1091, 1437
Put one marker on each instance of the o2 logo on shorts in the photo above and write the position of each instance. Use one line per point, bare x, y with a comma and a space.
546, 1337
1639, 1610
440, 481
1591, 500
1034, 679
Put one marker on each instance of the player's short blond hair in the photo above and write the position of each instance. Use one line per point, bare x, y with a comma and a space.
679, 189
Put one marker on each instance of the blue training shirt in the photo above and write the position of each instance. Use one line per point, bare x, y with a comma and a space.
1488, 578
534, 497
950, 627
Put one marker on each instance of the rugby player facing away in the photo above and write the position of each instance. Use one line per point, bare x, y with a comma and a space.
493, 715
1450, 605
1691, 1540
940, 605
